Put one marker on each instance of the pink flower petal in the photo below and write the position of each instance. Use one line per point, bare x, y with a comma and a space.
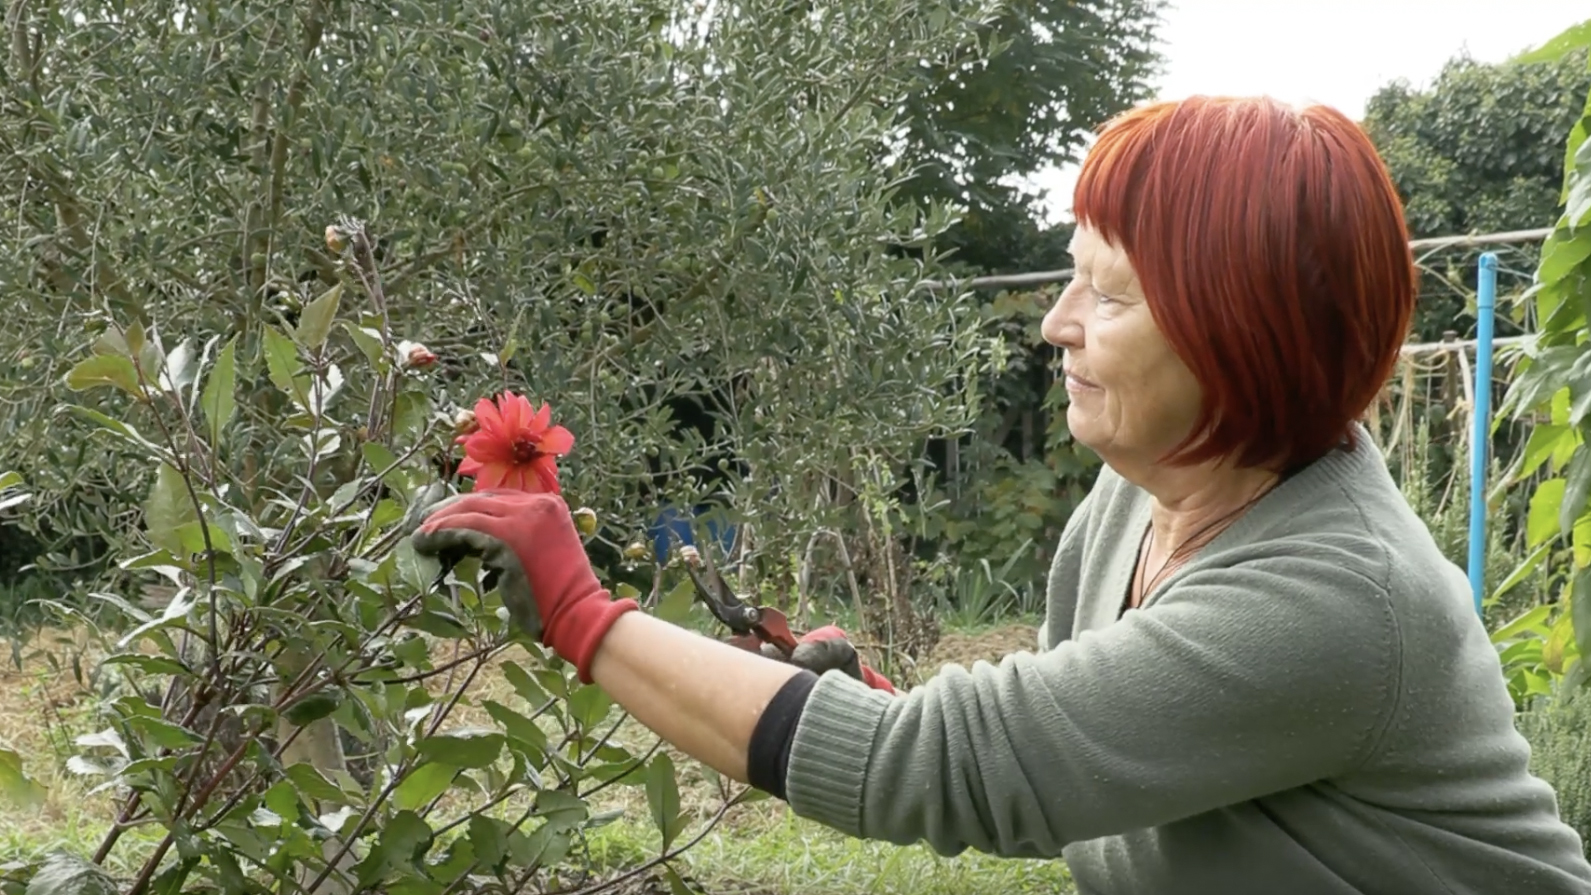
492, 475
542, 418
516, 413
546, 470
487, 417
557, 440
489, 448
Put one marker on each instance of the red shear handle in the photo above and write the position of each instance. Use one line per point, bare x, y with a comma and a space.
824, 649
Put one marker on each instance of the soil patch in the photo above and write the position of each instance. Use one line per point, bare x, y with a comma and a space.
955, 648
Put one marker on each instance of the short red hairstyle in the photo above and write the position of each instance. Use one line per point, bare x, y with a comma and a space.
1272, 249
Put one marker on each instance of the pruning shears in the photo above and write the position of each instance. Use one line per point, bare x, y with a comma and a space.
752, 625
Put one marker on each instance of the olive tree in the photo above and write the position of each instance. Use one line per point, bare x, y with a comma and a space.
675, 223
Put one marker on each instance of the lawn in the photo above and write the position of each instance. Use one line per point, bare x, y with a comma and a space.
757, 848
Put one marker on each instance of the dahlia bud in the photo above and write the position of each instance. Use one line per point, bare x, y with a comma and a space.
415, 356
635, 551
464, 422
336, 240
586, 521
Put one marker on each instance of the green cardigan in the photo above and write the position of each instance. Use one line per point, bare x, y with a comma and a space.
1310, 706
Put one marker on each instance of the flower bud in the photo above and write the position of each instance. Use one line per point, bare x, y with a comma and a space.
464, 422
635, 551
336, 240
415, 356
586, 521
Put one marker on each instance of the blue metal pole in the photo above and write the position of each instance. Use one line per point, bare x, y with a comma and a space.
1480, 437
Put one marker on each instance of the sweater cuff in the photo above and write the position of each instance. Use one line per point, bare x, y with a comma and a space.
833, 749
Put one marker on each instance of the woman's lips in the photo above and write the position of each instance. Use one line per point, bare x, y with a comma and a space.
1076, 383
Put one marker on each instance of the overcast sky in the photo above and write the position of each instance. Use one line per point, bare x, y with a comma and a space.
1338, 53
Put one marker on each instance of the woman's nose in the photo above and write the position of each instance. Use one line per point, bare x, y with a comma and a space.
1061, 326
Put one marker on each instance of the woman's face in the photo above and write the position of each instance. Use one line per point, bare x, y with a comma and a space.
1131, 398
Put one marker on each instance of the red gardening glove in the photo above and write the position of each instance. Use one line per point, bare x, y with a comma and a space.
828, 648
530, 541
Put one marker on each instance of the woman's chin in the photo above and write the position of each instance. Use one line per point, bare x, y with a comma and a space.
1084, 429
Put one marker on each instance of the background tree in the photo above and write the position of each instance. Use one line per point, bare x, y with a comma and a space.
975, 129
1478, 151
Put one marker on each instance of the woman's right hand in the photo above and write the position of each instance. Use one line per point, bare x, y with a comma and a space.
829, 648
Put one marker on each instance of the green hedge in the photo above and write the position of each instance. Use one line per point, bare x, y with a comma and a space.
1560, 738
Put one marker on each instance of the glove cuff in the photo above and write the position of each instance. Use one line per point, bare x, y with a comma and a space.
576, 632
876, 681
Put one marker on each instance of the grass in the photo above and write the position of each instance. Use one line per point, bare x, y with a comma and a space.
758, 849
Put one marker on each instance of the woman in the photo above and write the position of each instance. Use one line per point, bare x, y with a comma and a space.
1257, 672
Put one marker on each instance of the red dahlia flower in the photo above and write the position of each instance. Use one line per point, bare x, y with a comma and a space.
514, 447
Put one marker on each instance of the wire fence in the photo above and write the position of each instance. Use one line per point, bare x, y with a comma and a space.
1431, 390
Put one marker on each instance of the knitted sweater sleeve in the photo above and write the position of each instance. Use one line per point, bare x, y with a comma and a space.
1238, 681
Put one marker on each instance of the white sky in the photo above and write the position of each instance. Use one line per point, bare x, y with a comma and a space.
1338, 53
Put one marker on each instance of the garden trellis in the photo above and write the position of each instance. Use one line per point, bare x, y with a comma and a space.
1416, 358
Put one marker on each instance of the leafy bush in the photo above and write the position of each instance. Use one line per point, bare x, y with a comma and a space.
1559, 731
299, 608
1553, 390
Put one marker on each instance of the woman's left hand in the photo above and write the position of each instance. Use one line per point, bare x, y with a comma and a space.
530, 541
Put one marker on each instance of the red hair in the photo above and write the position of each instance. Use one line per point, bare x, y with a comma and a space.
1271, 245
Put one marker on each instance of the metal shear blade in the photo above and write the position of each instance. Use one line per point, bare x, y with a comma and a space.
748, 622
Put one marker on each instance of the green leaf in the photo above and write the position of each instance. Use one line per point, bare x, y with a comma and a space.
162, 734
543, 848
437, 624
1541, 519
525, 685
167, 508
1547, 441
16, 787
1531, 621
314, 324
219, 400
490, 838
1562, 253
282, 799
312, 784
67, 874
313, 707
283, 365
101, 370
400, 845
589, 705
662, 796
465, 748
519, 728
410, 411
677, 886
675, 606
423, 784
1555, 651
1526, 567
1576, 490
114, 426
560, 809
414, 570
147, 664
368, 340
